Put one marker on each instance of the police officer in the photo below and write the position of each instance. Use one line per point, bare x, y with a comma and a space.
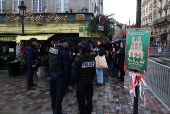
31, 63
59, 67
82, 73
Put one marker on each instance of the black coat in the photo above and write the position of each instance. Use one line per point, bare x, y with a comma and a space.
121, 59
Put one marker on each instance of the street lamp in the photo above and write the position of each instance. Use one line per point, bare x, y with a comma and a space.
22, 12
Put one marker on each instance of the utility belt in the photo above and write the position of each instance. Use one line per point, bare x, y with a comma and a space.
59, 73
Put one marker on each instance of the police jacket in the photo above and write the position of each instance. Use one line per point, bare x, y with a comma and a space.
82, 67
59, 60
30, 55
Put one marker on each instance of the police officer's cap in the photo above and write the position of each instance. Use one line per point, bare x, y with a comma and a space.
83, 46
62, 39
33, 39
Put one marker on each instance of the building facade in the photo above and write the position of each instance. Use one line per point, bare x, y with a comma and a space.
120, 32
53, 6
156, 14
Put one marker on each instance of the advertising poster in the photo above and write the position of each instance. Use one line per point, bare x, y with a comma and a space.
137, 50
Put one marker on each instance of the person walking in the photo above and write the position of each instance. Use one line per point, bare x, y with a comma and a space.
82, 73
31, 65
59, 66
100, 51
121, 59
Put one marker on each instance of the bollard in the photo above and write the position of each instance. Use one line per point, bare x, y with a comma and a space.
42, 73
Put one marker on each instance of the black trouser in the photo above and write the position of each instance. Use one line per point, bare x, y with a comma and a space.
30, 75
122, 74
57, 91
84, 90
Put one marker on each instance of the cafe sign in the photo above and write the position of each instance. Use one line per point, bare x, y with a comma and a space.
36, 17
137, 50
80, 16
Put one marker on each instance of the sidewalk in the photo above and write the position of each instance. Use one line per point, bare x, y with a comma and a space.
111, 98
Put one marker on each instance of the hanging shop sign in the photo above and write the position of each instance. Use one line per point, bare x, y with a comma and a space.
137, 50
84, 9
80, 16
7, 39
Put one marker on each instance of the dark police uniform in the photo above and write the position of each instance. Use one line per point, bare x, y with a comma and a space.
59, 67
30, 61
82, 73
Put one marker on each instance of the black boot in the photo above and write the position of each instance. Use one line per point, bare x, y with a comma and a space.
33, 84
30, 88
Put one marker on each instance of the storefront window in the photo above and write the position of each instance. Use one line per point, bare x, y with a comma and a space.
37, 6
16, 4
6, 53
2, 3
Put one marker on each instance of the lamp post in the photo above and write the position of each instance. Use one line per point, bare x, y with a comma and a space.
22, 12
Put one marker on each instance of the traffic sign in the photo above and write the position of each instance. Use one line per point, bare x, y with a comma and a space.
101, 20
101, 28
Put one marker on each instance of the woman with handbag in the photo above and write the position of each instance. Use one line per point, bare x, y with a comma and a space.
100, 52
121, 55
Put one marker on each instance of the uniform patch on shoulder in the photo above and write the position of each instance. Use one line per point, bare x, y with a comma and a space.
53, 51
88, 64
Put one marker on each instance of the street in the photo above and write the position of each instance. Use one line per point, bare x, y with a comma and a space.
111, 98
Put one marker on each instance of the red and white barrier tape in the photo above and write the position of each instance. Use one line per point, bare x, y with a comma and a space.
138, 80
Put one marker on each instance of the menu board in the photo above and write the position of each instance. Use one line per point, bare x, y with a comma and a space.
137, 50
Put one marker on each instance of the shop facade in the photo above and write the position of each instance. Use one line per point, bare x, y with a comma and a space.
7, 50
44, 27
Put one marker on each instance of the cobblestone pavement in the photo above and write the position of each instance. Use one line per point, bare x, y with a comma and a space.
111, 98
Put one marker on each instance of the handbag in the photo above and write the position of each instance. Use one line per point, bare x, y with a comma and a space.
101, 62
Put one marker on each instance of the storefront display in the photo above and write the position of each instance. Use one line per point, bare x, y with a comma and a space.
6, 54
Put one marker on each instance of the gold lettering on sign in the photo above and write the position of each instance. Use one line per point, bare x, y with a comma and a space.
40, 17
31, 17
55, 17
11, 17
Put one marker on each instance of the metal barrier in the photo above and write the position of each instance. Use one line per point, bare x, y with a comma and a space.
158, 82
164, 51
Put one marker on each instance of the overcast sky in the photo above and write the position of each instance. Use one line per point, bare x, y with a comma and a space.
123, 9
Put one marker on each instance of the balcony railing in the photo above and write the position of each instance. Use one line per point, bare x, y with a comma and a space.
160, 9
166, 6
